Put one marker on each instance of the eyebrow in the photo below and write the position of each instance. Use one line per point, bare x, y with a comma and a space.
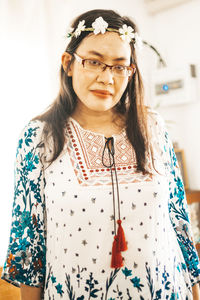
102, 56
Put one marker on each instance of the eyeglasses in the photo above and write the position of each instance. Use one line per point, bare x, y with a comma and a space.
97, 66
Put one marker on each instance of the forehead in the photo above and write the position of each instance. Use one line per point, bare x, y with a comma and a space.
109, 45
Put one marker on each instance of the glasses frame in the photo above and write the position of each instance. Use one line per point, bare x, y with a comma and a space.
132, 67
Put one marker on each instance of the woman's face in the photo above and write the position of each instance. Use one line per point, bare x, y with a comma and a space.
108, 48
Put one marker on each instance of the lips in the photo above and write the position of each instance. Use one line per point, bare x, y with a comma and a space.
102, 92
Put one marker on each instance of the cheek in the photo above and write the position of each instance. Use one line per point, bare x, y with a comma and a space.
81, 81
121, 87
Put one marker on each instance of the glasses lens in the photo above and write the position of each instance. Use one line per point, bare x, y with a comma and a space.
123, 71
117, 70
94, 65
120, 71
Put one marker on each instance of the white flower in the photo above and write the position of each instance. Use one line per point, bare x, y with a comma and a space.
69, 31
138, 41
99, 25
81, 27
126, 33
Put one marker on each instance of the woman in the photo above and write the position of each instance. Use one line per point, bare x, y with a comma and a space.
95, 159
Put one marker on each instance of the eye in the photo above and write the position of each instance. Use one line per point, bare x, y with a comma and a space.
94, 63
119, 68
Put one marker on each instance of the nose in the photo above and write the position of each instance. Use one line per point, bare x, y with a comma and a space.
106, 76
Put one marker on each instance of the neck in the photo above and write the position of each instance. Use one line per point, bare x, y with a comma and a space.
98, 121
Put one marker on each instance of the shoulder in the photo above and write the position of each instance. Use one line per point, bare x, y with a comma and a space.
156, 127
31, 135
154, 119
33, 129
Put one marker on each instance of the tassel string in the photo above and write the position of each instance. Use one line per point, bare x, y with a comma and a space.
109, 145
111, 151
117, 188
119, 242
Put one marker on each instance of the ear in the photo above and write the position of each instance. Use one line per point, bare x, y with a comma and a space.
66, 58
134, 68
129, 78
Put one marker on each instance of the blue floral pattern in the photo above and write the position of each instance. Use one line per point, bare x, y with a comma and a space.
178, 210
26, 253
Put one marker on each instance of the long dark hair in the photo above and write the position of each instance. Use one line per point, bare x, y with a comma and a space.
130, 105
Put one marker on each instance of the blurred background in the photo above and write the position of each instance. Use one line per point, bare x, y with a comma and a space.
32, 40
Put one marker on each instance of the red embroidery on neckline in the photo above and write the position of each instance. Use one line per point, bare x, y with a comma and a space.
85, 149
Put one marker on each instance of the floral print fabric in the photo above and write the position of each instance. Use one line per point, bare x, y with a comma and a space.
26, 254
62, 220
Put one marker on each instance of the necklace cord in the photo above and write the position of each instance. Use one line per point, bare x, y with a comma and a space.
109, 145
119, 243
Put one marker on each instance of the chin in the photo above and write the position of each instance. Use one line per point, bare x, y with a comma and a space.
100, 109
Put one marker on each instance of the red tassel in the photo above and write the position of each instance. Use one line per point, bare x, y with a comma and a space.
116, 261
121, 241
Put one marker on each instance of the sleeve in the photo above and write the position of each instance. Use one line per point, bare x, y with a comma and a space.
25, 261
178, 211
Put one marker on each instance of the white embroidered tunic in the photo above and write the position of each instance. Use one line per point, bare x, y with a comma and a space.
62, 222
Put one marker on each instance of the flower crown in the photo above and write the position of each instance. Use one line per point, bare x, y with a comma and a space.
126, 33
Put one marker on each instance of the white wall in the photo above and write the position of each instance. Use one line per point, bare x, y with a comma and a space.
32, 41
176, 34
